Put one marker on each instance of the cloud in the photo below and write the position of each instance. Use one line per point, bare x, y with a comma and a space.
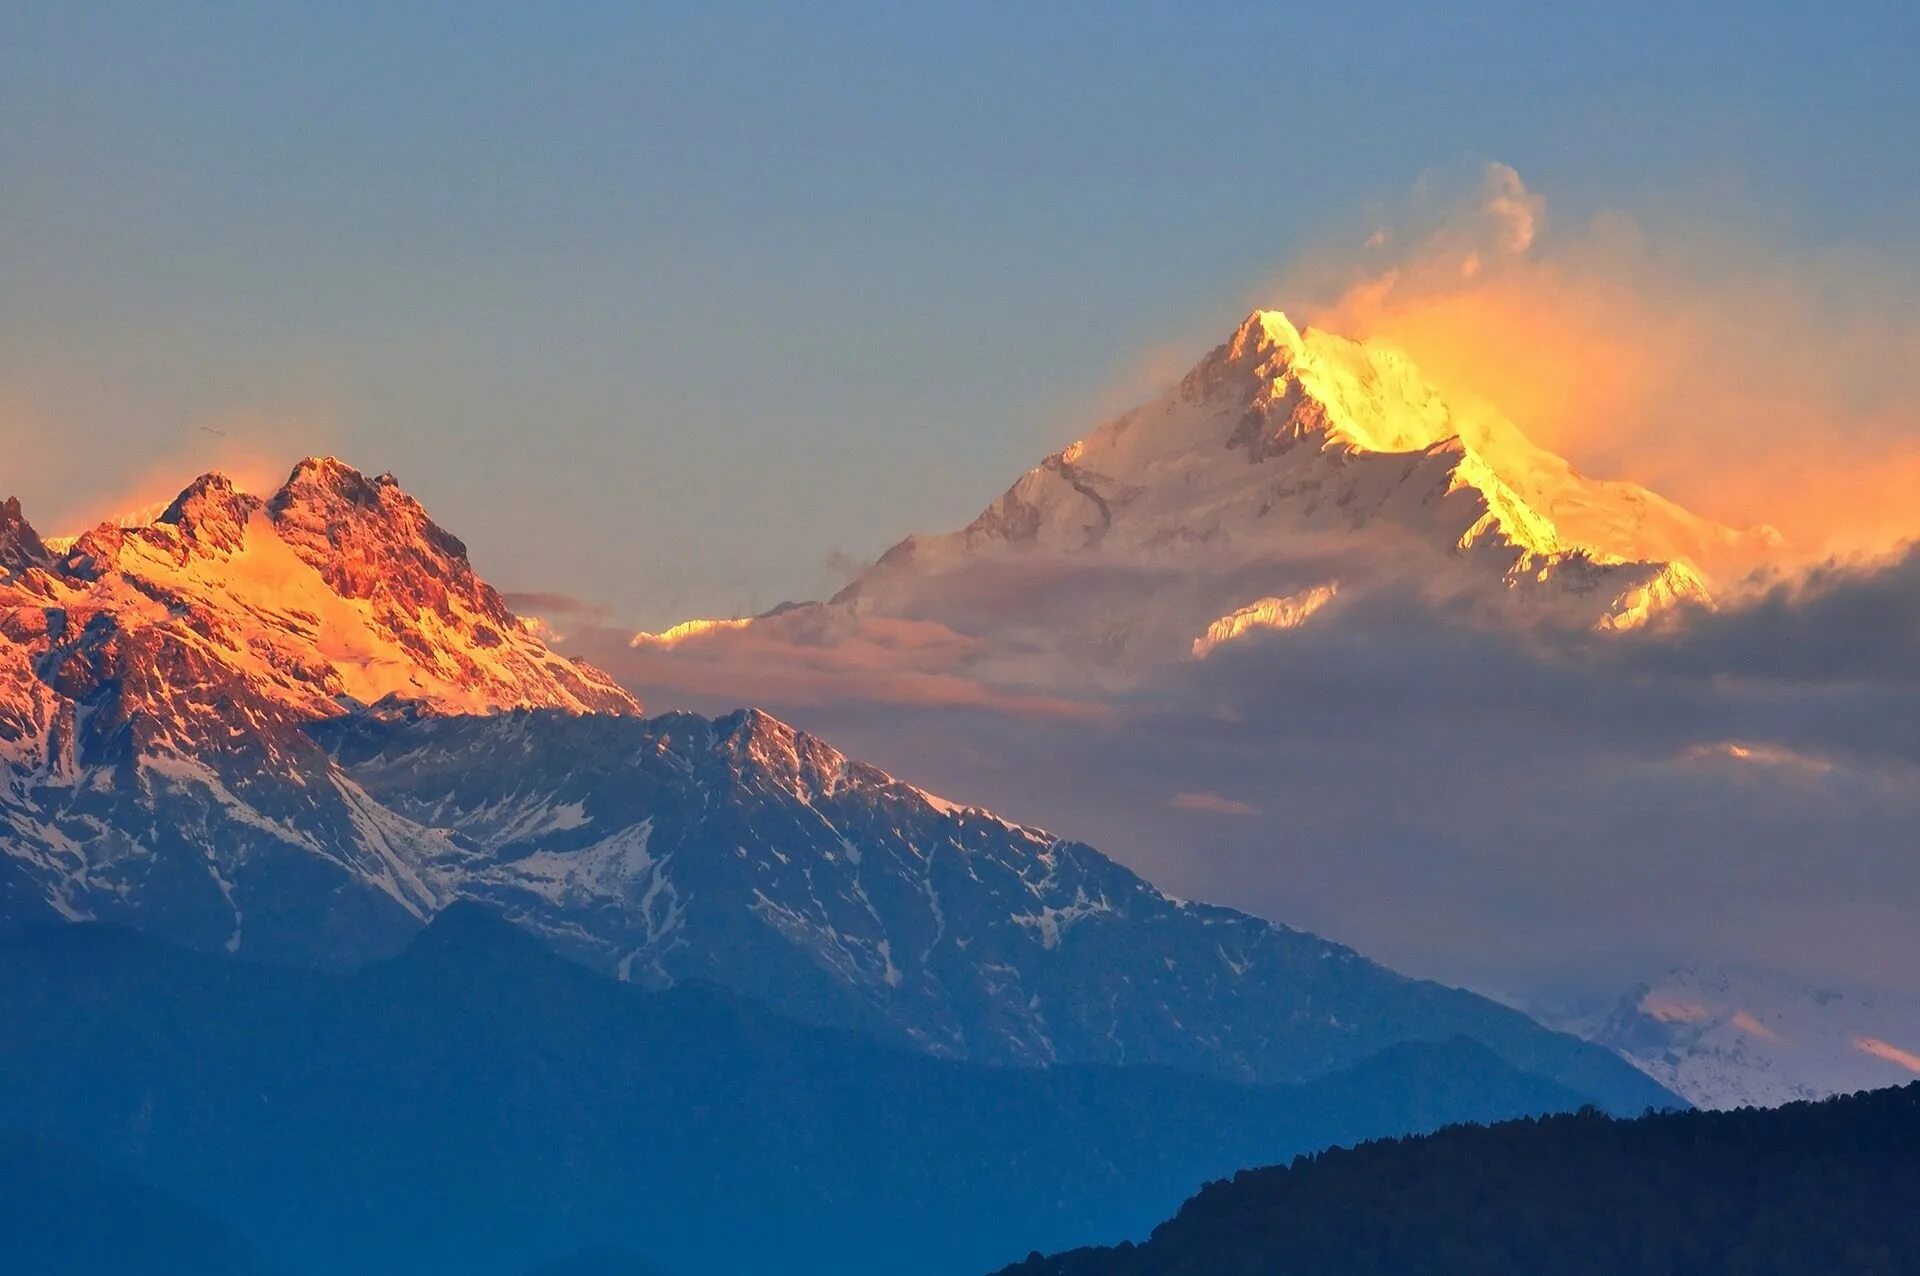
1851, 622
844, 566
1513, 211
1753, 1027
554, 606
1212, 803
812, 654
1465, 802
1891, 1053
1754, 382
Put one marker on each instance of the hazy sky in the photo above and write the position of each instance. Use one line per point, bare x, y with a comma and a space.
661, 305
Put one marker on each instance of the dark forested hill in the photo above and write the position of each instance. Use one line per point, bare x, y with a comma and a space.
1831, 1187
479, 1104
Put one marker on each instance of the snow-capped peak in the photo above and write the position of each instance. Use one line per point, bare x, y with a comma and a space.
20, 546
335, 589
1286, 440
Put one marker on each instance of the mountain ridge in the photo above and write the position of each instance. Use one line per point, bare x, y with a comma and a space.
177, 759
1811, 1187
312, 1110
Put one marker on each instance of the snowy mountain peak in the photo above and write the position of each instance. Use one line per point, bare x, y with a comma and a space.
1361, 395
20, 546
228, 609
211, 513
369, 539
1260, 334
801, 764
1284, 445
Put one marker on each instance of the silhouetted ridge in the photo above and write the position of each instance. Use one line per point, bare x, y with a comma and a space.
1812, 1187
478, 1105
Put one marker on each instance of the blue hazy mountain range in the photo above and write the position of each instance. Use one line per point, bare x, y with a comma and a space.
480, 1104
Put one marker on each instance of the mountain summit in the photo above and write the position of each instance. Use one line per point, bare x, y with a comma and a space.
1280, 436
335, 590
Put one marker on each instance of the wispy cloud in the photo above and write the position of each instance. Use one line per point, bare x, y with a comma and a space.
1891, 1053
1211, 803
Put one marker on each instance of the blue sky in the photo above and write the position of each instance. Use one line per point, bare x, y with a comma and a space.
660, 305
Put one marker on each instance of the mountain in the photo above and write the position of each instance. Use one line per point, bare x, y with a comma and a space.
20, 546
64, 1214
298, 728
1812, 1187
748, 854
1287, 465
479, 1104
157, 683
1277, 432
597, 1262
1728, 1038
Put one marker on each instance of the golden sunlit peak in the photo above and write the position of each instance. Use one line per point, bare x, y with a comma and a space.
1264, 330
1374, 396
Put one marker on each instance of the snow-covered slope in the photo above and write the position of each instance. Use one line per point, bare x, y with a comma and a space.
188, 747
1732, 1038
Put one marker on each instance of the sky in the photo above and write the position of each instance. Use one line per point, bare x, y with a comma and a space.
677, 311
685, 309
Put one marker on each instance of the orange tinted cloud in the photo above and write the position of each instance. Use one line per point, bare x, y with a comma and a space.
1211, 803
1753, 386
1891, 1053
813, 655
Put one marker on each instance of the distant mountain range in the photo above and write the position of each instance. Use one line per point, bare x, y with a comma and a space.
1812, 1187
1728, 1038
298, 727
479, 1104
65, 1214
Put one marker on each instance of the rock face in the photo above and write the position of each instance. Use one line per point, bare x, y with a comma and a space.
20, 546
299, 727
